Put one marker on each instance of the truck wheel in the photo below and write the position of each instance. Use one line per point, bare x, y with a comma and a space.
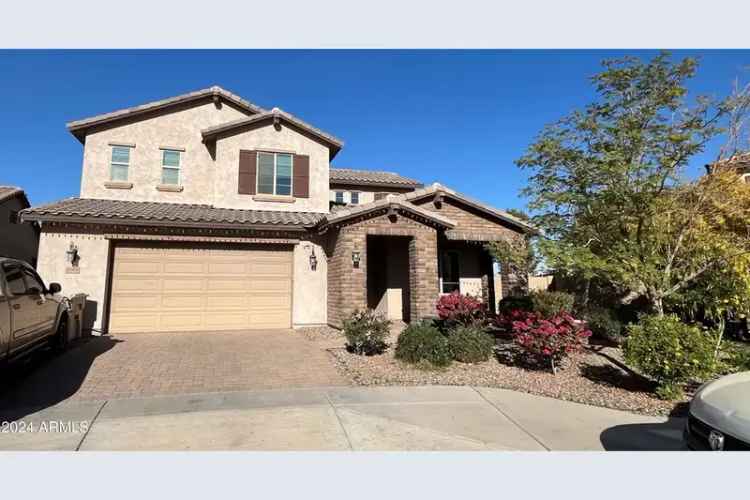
60, 340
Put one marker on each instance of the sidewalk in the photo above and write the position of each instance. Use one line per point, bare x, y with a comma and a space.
342, 418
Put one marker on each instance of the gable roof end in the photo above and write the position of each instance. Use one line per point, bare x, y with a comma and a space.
476, 204
395, 202
78, 127
334, 143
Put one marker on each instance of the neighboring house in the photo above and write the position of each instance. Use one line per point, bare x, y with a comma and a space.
207, 212
739, 162
20, 241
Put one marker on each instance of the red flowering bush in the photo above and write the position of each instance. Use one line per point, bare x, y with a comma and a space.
548, 340
457, 309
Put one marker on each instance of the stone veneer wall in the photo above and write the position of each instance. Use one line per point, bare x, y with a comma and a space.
347, 286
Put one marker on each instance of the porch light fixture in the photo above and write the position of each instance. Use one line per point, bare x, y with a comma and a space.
313, 260
355, 260
71, 254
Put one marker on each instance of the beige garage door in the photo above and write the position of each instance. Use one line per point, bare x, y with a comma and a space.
160, 288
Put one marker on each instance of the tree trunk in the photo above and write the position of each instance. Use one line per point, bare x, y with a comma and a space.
658, 305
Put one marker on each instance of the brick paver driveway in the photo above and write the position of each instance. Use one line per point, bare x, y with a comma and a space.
172, 363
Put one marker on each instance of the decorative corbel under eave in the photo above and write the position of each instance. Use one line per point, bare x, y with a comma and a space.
392, 213
438, 199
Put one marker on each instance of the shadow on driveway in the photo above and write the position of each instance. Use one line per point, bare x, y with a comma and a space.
665, 436
44, 379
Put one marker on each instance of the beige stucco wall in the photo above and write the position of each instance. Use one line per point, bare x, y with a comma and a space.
91, 278
310, 290
179, 129
267, 137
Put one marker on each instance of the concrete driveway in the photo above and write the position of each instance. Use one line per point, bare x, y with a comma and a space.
345, 418
127, 366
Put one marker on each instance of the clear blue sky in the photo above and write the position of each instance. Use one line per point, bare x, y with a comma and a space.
458, 117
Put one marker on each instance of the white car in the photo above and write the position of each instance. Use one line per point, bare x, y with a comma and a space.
719, 417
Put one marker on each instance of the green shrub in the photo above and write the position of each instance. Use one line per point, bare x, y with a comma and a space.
470, 345
365, 332
670, 392
604, 325
550, 304
422, 342
670, 351
738, 355
509, 304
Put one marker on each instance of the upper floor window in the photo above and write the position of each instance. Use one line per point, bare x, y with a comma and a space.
170, 167
339, 197
355, 198
120, 163
275, 173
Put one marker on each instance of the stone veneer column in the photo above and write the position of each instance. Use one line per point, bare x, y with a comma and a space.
423, 275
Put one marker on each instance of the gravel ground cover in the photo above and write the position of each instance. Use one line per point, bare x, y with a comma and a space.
592, 377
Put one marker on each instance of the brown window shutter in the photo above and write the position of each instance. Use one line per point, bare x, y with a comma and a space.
246, 182
380, 196
301, 180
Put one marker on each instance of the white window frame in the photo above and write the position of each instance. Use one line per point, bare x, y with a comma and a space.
275, 164
178, 168
336, 197
351, 197
112, 162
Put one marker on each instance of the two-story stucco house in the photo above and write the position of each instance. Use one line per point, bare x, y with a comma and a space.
206, 212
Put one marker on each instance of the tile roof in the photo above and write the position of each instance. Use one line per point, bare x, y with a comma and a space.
78, 127
7, 192
739, 161
370, 177
86, 210
334, 142
394, 201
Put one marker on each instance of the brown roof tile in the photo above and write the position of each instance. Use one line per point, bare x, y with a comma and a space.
334, 143
164, 214
78, 127
7, 192
370, 177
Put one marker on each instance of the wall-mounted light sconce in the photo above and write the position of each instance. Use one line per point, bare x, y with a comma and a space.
71, 255
355, 260
313, 260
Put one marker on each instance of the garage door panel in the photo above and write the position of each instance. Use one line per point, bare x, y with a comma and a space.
227, 301
177, 284
134, 322
228, 268
137, 267
128, 283
182, 302
228, 321
137, 302
271, 303
270, 320
227, 284
179, 288
182, 320
183, 267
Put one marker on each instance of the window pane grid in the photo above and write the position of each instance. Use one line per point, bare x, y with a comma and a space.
275, 174
170, 171
119, 163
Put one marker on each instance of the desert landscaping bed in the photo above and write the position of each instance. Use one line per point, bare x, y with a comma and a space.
588, 377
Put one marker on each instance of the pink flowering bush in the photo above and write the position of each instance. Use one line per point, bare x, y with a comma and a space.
457, 309
547, 340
